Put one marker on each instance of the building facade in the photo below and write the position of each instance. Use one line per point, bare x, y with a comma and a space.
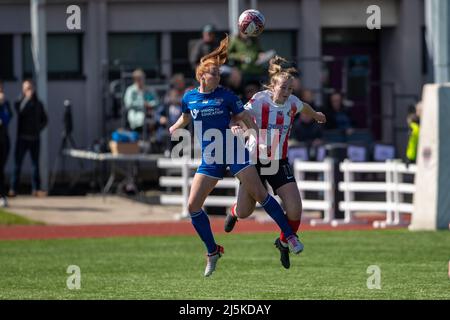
381, 71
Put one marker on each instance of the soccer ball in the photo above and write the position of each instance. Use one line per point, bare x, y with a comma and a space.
251, 23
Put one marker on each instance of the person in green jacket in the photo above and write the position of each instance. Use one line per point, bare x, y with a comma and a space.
413, 139
140, 101
243, 53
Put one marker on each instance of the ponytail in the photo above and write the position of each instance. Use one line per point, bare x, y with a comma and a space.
215, 58
278, 72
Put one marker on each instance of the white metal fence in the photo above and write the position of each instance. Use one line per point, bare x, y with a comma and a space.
324, 185
393, 187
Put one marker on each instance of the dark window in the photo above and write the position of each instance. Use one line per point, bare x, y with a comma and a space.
64, 56
181, 44
425, 53
349, 36
134, 50
283, 42
6, 61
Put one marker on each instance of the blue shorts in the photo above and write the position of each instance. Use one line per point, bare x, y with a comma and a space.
235, 161
217, 171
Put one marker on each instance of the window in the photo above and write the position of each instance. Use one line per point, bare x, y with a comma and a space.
426, 59
64, 56
283, 42
6, 62
134, 50
181, 44
350, 36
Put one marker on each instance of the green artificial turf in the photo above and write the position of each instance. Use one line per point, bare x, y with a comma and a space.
8, 218
333, 266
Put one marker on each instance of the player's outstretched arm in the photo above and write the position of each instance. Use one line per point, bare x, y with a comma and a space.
182, 122
250, 126
245, 117
318, 116
237, 127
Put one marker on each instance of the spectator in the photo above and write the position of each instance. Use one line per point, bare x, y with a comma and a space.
139, 101
168, 113
31, 120
203, 46
244, 53
177, 88
307, 96
307, 130
231, 78
249, 91
173, 107
5, 118
297, 88
337, 116
413, 120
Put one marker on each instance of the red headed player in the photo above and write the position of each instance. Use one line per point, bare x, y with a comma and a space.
274, 109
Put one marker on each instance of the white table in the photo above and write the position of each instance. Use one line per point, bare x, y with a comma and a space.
131, 159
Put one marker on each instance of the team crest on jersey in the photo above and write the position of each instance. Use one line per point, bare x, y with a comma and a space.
218, 101
194, 113
279, 113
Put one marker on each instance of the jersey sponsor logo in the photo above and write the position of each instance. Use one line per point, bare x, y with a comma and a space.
211, 111
194, 113
192, 102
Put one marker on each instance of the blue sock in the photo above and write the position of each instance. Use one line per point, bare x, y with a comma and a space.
274, 210
201, 224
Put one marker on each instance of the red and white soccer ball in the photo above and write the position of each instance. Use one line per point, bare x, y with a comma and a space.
251, 23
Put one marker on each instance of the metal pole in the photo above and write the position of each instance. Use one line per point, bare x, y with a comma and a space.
437, 13
233, 16
39, 52
185, 188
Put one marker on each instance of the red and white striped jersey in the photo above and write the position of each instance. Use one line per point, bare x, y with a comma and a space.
275, 122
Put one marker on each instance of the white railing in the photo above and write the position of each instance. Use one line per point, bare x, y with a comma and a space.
183, 180
325, 185
392, 187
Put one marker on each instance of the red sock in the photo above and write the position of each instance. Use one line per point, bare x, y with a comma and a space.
233, 210
295, 225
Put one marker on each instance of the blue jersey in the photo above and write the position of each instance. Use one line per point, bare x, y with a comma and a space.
212, 110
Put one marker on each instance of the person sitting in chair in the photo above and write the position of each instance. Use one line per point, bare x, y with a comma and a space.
139, 101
